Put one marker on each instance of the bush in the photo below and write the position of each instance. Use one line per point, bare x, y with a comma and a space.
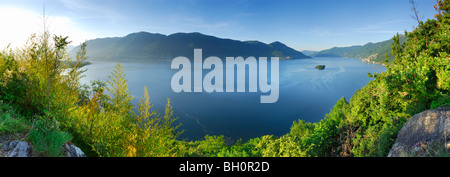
440, 101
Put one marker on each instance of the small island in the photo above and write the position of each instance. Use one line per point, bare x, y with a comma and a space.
320, 67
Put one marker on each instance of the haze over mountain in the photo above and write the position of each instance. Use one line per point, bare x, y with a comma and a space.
149, 46
309, 52
370, 52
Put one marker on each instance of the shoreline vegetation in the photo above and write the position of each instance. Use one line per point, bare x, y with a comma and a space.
375, 53
72, 64
40, 95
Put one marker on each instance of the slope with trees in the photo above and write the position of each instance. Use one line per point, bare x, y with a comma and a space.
370, 52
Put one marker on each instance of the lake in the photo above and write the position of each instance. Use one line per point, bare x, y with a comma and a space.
304, 93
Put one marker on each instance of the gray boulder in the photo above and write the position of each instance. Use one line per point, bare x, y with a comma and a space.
425, 134
71, 150
17, 148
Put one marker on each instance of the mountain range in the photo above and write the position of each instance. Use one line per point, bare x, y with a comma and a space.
370, 52
150, 46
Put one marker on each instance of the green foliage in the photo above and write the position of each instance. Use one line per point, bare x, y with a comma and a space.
12, 79
33, 80
47, 139
118, 87
301, 129
417, 79
43, 82
237, 150
10, 121
376, 140
11, 125
211, 145
285, 146
109, 126
440, 101
324, 139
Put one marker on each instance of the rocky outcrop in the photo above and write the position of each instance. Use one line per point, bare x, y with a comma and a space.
425, 134
71, 150
16, 148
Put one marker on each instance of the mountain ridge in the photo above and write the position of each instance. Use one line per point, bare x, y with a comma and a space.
154, 46
370, 52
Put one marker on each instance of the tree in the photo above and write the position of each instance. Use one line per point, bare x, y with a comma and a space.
118, 87
415, 11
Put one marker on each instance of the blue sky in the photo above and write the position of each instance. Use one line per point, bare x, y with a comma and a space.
301, 24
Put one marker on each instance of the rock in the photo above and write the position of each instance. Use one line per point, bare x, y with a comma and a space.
4, 138
71, 150
17, 148
425, 134
79, 152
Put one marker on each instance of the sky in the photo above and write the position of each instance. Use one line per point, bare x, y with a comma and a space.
300, 24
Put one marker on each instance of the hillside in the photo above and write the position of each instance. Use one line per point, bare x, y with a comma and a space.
370, 52
149, 46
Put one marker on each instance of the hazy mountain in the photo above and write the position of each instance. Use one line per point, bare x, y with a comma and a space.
308, 52
336, 51
70, 47
148, 46
370, 52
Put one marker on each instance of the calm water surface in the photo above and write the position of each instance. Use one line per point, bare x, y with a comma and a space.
305, 93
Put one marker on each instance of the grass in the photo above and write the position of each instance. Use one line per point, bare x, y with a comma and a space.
45, 136
11, 122
47, 139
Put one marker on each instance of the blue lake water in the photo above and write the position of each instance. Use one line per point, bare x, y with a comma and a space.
304, 93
